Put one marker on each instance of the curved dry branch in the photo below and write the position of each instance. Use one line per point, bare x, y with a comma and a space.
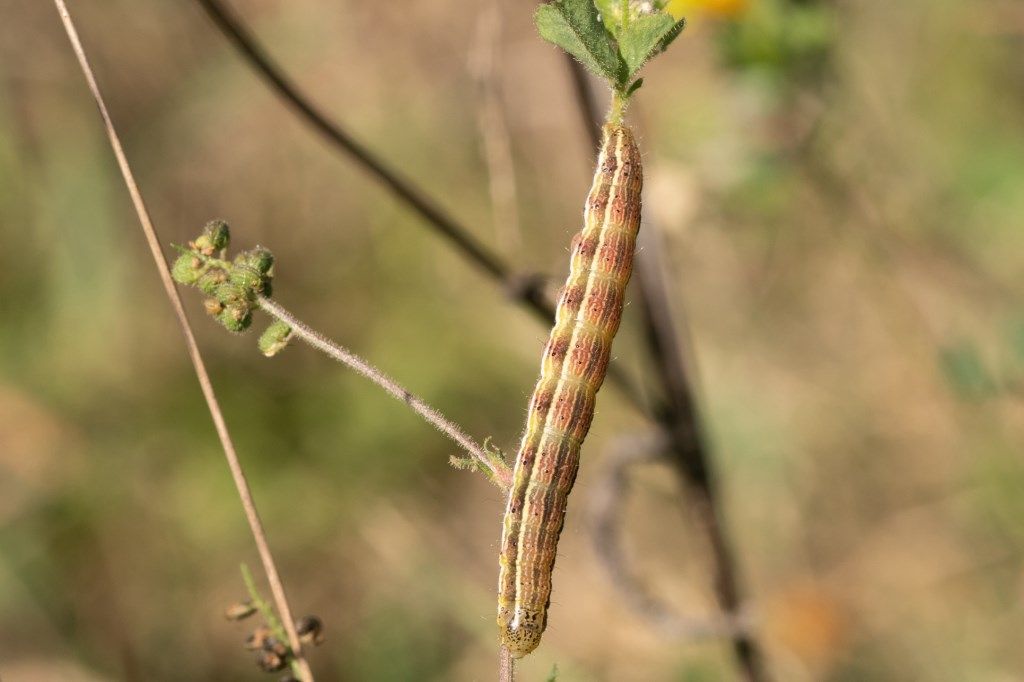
606, 510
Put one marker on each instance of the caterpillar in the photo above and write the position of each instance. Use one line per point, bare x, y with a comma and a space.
562, 405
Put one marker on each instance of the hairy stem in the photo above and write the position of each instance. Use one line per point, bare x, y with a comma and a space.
237, 473
499, 474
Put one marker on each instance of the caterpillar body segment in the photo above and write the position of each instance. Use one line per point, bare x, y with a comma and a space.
562, 405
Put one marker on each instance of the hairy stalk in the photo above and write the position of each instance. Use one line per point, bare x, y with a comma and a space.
489, 463
527, 290
237, 472
678, 415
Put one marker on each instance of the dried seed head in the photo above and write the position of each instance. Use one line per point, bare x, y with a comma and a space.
310, 630
270, 662
213, 306
274, 645
257, 638
239, 611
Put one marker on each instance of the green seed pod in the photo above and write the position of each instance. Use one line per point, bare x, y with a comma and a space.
274, 340
235, 317
215, 237
246, 277
210, 280
260, 259
230, 293
186, 269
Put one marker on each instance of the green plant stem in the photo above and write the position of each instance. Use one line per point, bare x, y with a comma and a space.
498, 473
234, 464
267, 611
618, 109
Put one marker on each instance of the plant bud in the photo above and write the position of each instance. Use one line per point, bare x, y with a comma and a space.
275, 338
240, 611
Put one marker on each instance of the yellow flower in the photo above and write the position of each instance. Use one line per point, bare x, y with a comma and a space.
715, 8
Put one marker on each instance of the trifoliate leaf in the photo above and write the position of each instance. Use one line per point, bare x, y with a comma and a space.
573, 25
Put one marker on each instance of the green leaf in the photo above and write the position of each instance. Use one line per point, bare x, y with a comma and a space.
573, 25
634, 86
667, 39
645, 37
611, 14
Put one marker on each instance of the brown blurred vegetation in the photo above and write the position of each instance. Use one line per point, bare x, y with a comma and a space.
840, 185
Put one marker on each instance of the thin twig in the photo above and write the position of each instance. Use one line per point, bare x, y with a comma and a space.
500, 475
678, 414
237, 473
527, 290
606, 510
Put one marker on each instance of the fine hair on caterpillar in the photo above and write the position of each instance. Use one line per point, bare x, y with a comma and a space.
561, 408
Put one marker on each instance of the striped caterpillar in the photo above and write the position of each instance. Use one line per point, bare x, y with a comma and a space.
562, 406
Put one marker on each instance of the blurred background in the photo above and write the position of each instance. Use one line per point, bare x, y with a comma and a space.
839, 188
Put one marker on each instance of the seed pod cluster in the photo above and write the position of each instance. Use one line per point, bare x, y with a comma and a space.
272, 653
232, 287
